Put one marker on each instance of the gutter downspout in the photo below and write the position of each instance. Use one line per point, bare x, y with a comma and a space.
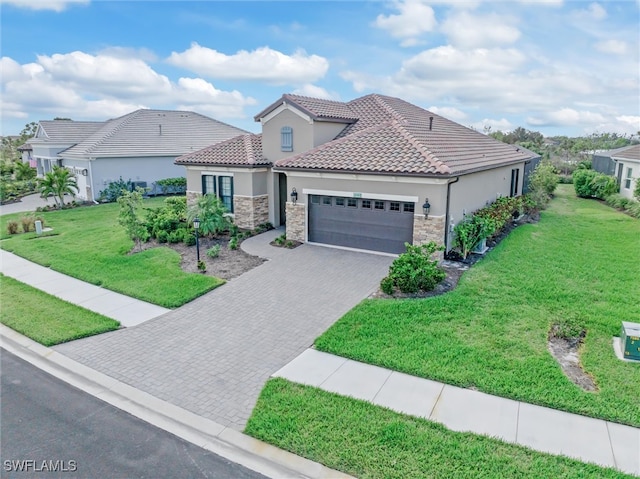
446, 217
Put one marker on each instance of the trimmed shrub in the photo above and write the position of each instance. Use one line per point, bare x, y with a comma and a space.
233, 243
633, 208
386, 285
414, 270
162, 236
114, 190
591, 184
176, 236
603, 186
189, 237
470, 231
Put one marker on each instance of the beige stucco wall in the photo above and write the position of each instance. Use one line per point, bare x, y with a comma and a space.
306, 134
246, 181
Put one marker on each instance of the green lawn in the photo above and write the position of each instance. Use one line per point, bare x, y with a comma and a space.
47, 319
87, 243
580, 262
368, 441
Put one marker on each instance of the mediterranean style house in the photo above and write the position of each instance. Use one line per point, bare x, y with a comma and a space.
623, 163
370, 174
141, 146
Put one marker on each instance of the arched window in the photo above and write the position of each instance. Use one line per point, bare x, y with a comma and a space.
286, 138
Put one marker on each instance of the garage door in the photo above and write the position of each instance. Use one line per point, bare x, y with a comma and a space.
378, 225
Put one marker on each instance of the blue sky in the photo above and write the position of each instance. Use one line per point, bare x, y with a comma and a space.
555, 66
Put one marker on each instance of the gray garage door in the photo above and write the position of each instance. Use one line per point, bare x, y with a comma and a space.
369, 224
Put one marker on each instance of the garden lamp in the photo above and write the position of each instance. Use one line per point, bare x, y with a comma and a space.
196, 226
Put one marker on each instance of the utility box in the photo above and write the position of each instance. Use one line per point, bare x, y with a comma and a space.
630, 340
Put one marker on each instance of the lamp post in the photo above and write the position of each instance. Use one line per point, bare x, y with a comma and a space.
196, 226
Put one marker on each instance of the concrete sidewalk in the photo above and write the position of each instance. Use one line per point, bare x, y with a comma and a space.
543, 429
128, 311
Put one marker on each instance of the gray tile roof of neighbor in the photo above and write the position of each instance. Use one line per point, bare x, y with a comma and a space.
243, 150
628, 153
152, 133
65, 131
395, 137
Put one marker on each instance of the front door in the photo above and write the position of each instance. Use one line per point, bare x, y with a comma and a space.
282, 187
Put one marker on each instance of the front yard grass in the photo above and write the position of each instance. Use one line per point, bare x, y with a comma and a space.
89, 244
47, 319
579, 263
368, 441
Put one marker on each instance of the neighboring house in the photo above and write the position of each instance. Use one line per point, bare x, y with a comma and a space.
362, 171
627, 168
26, 150
602, 162
140, 146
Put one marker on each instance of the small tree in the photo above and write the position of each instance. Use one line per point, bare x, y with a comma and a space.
212, 215
57, 183
542, 183
130, 205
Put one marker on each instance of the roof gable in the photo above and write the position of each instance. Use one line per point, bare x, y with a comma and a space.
65, 131
315, 108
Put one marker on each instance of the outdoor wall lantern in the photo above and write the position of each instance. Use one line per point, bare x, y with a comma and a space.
426, 207
196, 226
294, 196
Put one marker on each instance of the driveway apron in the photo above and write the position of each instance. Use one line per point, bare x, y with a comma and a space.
213, 355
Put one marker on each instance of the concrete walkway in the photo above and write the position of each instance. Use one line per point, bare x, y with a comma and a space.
127, 310
213, 355
543, 429
28, 203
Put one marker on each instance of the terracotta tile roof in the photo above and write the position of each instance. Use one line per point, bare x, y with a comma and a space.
394, 136
242, 150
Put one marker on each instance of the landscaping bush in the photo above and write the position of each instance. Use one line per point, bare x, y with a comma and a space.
633, 209
617, 201
470, 231
542, 183
12, 227
591, 184
176, 236
212, 214
414, 270
162, 236
636, 190
189, 237
169, 217
233, 243
114, 190
28, 223
214, 251
171, 186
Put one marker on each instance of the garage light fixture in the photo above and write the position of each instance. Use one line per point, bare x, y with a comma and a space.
294, 196
426, 207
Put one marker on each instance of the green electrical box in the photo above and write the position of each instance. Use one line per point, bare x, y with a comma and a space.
630, 340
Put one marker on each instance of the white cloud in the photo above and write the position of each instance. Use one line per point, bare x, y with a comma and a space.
493, 125
55, 5
415, 19
315, 92
449, 112
566, 117
467, 30
615, 47
80, 86
263, 64
594, 11
106, 74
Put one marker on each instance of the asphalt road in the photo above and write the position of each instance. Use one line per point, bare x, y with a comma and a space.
51, 429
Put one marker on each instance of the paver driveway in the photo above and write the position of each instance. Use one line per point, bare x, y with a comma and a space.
213, 355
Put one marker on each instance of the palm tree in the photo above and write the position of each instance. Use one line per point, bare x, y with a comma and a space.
57, 183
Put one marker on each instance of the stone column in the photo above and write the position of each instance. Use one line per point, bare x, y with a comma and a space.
429, 229
250, 211
296, 221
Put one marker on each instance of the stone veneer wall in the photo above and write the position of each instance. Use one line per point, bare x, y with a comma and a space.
192, 197
296, 224
429, 229
250, 211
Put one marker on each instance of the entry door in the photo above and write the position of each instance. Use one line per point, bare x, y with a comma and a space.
282, 188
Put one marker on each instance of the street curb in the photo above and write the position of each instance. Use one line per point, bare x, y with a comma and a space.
231, 444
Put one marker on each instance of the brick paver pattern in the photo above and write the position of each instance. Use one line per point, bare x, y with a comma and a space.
213, 355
